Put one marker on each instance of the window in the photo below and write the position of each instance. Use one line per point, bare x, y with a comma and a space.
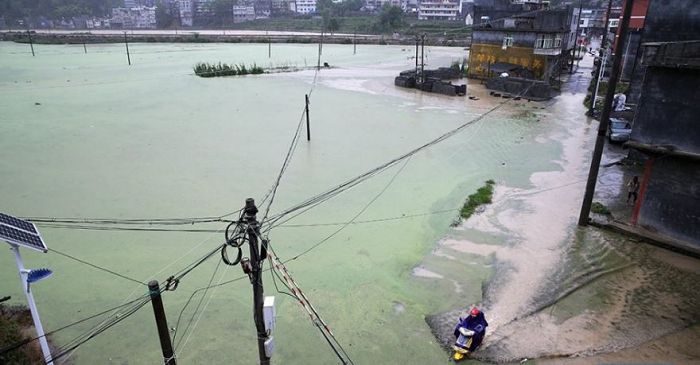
539, 43
547, 41
507, 41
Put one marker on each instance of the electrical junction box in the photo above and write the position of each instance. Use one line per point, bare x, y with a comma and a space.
269, 346
269, 313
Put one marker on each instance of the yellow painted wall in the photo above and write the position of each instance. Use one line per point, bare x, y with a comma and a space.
481, 55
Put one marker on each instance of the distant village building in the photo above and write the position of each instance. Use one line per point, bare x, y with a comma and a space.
524, 38
305, 6
592, 23
439, 9
243, 13
185, 12
375, 5
141, 17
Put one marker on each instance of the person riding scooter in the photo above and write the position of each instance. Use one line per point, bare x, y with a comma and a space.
476, 322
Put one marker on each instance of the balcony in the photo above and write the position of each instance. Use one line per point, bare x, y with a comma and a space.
547, 51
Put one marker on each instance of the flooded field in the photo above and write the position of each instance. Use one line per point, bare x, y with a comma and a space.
88, 136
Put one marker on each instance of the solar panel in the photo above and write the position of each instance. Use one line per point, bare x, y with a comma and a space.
21, 232
18, 223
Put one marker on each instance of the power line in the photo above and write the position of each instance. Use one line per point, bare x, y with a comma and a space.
27, 341
320, 198
96, 266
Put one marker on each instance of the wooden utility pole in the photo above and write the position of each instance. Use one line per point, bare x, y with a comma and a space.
601, 66
604, 118
162, 323
255, 274
308, 125
126, 42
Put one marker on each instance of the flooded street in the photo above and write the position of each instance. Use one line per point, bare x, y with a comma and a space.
87, 136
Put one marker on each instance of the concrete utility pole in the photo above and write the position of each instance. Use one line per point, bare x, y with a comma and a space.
308, 125
601, 64
255, 274
605, 116
31, 43
354, 43
126, 42
161, 323
422, 57
578, 25
578, 55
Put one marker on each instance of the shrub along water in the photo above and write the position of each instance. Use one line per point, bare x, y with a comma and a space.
482, 196
204, 69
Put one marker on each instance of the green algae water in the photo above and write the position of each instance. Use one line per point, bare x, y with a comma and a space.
85, 135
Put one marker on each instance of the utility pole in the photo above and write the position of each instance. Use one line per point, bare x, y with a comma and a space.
417, 40
31, 43
269, 45
605, 116
320, 45
354, 43
308, 127
253, 269
84, 46
422, 58
601, 65
161, 323
578, 24
126, 42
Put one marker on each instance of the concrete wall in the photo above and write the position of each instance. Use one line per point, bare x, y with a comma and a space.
671, 205
481, 55
667, 21
669, 109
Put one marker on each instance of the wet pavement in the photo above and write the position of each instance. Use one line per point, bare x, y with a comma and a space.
561, 294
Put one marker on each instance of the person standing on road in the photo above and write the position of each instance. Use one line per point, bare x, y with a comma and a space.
633, 189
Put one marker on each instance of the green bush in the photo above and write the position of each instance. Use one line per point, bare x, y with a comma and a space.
483, 195
599, 208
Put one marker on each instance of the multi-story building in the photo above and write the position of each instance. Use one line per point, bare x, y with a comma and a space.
523, 37
305, 6
666, 131
592, 23
439, 9
186, 12
243, 13
375, 5
130, 18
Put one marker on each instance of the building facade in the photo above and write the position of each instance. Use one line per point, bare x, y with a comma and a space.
186, 12
666, 130
439, 9
141, 17
524, 38
243, 13
305, 6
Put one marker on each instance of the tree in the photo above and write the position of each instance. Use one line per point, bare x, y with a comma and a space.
390, 18
165, 17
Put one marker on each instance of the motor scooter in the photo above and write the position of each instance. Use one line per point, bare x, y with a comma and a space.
462, 344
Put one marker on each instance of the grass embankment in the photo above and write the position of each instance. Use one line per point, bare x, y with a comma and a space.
204, 69
14, 324
482, 196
